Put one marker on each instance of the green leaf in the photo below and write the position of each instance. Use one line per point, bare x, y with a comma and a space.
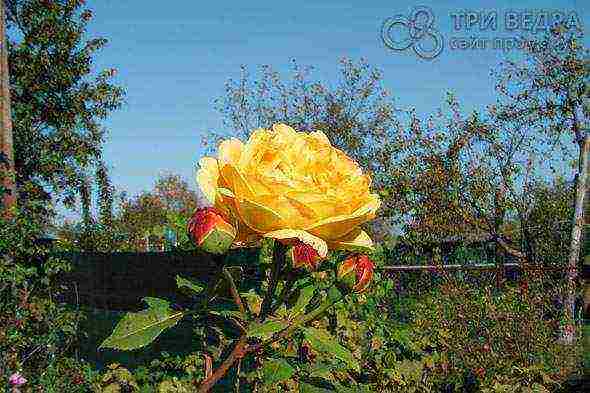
355, 389
253, 300
282, 312
323, 371
222, 287
182, 282
276, 370
157, 304
136, 330
305, 295
307, 388
266, 329
322, 341
227, 314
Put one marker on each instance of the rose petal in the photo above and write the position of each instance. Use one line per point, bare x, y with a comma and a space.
291, 234
236, 182
334, 228
357, 240
207, 177
230, 152
258, 217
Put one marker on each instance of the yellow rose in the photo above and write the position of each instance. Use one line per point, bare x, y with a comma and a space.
290, 185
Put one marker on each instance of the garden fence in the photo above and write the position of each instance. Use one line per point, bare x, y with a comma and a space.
118, 281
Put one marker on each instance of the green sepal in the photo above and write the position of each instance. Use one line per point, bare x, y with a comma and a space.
218, 240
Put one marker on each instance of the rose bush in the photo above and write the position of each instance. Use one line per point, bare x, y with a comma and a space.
303, 202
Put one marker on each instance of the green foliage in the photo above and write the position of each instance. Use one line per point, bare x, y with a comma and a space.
127, 224
322, 341
550, 221
192, 287
276, 370
116, 380
170, 204
462, 335
36, 331
305, 295
65, 375
267, 329
231, 307
57, 104
165, 374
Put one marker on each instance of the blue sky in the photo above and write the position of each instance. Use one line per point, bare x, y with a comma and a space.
174, 57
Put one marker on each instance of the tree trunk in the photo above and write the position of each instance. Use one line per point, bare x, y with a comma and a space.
568, 335
6, 139
499, 214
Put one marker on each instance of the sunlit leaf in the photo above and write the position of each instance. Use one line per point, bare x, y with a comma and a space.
305, 296
195, 288
266, 329
276, 370
136, 330
322, 341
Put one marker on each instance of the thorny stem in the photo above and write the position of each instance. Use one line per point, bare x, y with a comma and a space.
237, 383
286, 291
204, 306
304, 319
239, 351
242, 348
234, 291
208, 365
211, 285
279, 262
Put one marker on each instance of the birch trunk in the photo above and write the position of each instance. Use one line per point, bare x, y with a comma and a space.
568, 334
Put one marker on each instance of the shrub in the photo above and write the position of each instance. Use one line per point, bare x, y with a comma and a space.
461, 336
36, 331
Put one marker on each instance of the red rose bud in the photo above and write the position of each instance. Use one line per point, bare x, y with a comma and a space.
210, 231
303, 255
356, 272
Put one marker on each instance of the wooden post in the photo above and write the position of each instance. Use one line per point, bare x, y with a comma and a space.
6, 139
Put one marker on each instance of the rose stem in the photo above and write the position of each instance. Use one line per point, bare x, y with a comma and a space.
234, 291
242, 349
279, 261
